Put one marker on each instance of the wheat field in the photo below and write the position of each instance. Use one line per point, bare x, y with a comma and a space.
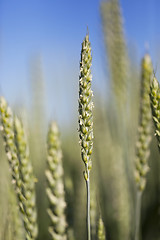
99, 180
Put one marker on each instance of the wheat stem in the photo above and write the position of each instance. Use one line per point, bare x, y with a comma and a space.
88, 207
138, 214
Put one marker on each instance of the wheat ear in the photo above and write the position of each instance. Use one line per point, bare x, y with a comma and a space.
86, 118
55, 188
28, 180
101, 230
155, 106
7, 128
144, 138
16, 166
115, 42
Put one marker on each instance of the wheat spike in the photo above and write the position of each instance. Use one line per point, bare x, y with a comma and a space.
101, 230
116, 49
28, 180
55, 188
17, 153
144, 129
144, 138
155, 106
86, 118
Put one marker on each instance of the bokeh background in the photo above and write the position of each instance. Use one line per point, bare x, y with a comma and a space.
40, 44
54, 30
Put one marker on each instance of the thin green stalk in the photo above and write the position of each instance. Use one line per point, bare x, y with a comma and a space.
138, 215
93, 212
88, 207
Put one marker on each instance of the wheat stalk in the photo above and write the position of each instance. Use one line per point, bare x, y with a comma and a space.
86, 118
93, 213
144, 137
55, 188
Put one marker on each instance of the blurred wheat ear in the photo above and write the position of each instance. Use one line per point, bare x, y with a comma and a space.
37, 138
21, 170
55, 186
155, 106
144, 137
27, 178
101, 230
116, 50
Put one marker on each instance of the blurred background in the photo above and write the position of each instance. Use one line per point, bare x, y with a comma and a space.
40, 44
53, 31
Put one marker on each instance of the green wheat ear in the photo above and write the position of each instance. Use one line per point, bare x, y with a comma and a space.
144, 138
155, 106
116, 49
85, 117
55, 188
101, 230
7, 128
21, 170
28, 180
144, 130
86, 106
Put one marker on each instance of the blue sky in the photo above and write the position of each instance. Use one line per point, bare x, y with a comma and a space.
55, 29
